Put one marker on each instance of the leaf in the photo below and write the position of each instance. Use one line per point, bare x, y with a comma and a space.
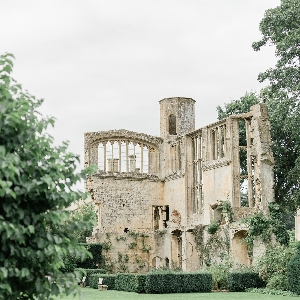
3, 273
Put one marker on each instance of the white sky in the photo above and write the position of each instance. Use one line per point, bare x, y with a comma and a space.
105, 64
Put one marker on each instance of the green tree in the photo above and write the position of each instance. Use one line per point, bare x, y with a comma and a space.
37, 182
280, 27
83, 211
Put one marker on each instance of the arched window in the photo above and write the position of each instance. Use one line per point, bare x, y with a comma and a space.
123, 156
172, 124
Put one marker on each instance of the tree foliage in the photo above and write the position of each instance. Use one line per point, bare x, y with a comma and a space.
36, 184
84, 211
280, 27
272, 266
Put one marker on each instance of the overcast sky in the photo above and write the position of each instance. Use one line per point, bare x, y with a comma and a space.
105, 64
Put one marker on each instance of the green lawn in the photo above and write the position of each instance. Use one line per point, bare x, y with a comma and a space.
93, 294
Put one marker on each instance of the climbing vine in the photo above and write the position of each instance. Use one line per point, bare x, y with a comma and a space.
262, 226
213, 227
217, 244
107, 263
227, 211
120, 262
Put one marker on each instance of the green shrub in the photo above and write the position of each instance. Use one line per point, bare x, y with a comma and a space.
219, 274
273, 264
170, 282
89, 272
278, 282
70, 263
213, 227
130, 282
108, 279
91, 263
293, 272
239, 281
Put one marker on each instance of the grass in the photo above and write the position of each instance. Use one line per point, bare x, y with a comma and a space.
93, 294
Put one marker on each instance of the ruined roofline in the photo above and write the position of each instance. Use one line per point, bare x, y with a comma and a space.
177, 98
92, 137
219, 122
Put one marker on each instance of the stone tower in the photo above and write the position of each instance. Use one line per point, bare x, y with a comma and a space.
177, 116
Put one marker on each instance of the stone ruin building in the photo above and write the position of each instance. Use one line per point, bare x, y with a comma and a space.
157, 196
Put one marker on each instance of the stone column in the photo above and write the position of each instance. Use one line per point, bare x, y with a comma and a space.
161, 222
94, 154
265, 161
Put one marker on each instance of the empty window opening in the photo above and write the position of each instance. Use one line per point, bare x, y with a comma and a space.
160, 217
172, 125
198, 196
167, 262
247, 164
123, 156
166, 215
218, 142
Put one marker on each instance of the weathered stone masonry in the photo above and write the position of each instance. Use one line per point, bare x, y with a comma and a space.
153, 193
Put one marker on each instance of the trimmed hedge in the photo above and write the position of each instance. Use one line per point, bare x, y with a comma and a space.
90, 272
293, 272
130, 282
108, 279
162, 283
239, 281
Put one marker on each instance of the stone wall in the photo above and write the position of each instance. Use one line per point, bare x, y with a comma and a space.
149, 214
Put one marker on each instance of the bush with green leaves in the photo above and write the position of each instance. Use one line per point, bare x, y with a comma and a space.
213, 227
278, 282
94, 261
130, 282
293, 272
87, 211
272, 266
219, 273
71, 262
37, 182
171, 282
239, 281
108, 279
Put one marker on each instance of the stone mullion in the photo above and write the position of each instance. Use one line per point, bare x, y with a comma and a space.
179, 155
150, 169
224, 131
127, 158
216, 143
249, 164
199, 160
104, 165
175, 159
142, 157
195, 155
219, 142
120, 164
